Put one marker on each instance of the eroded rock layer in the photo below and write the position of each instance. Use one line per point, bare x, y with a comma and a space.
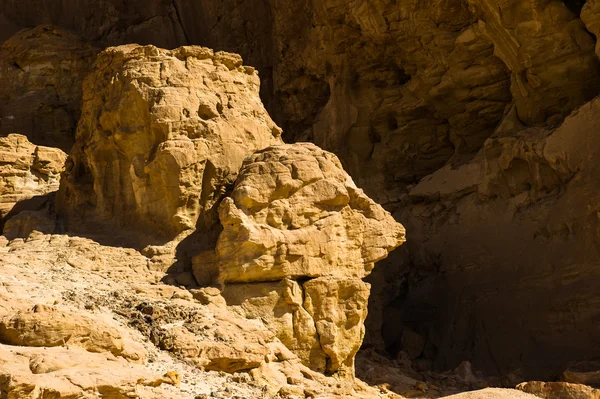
298, 237
502, 264
161, 135
29, 176
41, 72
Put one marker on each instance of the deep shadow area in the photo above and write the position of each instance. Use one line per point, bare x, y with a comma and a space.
575, 6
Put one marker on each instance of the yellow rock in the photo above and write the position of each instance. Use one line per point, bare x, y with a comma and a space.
161, 133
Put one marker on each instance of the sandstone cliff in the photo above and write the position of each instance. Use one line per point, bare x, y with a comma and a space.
471, 121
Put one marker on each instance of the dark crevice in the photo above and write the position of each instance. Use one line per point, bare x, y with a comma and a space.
575, 6
185, 35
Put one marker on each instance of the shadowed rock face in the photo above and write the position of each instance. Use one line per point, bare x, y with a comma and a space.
41, 72
162, 134
501, 265
396, 89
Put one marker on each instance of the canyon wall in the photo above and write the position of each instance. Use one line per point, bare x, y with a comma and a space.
451, 114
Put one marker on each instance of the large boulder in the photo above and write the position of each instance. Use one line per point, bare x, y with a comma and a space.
298, 237
295, 213
162, 133
41, 72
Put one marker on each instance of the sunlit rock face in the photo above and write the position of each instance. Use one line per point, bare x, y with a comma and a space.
161, 135
298, 237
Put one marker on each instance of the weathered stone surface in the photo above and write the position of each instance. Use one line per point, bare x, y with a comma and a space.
162, 133
280, 305
295, 213
339, 309
27, 172
64, 373
321, 321
41, 72
192, 345
395, 89
522, 216
45, 326
559, 390
400, 90
590, 15
493, 393
549, 53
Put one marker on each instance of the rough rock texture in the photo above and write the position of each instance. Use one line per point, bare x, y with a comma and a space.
559, 390
36, 373
590, 15
41, 71
63, 296
294, 214
502, 262
44, 326
28, 174
394, 88
550, 55
161, 135
493, 393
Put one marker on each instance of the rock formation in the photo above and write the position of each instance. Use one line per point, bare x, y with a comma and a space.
298, 237
549, 52
535, 193
78, 318
29, 174
41, 71
161, 135
453, 114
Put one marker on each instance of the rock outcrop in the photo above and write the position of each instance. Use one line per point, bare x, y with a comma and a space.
41, 72
549, 52
395, 89
442, 110
298, 237
28, 175
533, 192
161, 135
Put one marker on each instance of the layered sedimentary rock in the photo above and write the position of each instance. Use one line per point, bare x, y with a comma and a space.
396, 89
161, 135
41, 72
298, 237
502, 265
549, 52
399, 90
28, 175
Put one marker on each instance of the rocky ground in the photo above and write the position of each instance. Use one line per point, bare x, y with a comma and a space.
79, 319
